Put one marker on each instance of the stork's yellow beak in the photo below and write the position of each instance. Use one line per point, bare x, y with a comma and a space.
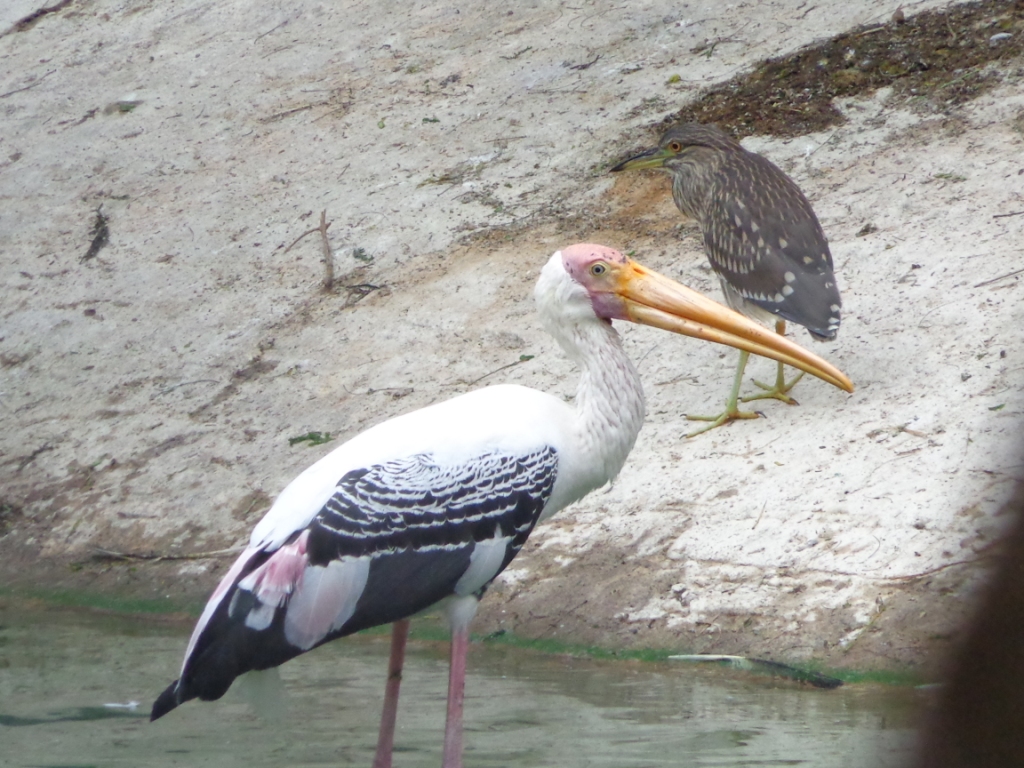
652, 299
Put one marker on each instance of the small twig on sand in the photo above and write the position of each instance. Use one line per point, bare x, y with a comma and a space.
24, 461
996, 216
27, 21
282, 24
997, 279
33, 84
100, 235
296, 240
173, 387
106, 554
281, 115
522, 359
517, 54
328, 258
357, 293
763, 508
586, 65
936, 569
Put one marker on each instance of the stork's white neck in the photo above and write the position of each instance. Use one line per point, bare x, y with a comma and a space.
609, 406
609, 409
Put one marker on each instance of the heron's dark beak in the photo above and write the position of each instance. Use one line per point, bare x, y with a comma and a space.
651, 158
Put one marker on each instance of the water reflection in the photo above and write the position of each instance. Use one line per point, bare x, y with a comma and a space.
68, 681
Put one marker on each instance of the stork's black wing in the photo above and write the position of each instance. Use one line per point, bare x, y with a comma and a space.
393, 539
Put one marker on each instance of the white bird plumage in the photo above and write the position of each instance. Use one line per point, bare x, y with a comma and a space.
428, 507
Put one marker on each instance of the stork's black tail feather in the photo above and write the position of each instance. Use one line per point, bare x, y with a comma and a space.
165, 702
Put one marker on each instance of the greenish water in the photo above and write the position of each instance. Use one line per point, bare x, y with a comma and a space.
61, 672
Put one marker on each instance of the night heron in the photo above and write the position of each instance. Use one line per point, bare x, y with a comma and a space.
761, 237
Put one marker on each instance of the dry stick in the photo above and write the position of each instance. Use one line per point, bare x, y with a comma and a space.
110, 554
24, 461
996, 216
173, 387
24, 23
496, 370
588, 64
282, 24
328, 259
930, 571
296, 240
796, 572
763, 508
287, 112
30, 85
871, 31
826, 141
1001, 277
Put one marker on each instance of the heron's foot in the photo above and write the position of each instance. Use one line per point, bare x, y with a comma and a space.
778, 391
729, 414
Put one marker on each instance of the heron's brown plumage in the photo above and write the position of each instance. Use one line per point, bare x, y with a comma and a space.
760, 233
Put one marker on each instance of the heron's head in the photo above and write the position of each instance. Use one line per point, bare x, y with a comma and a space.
680, 144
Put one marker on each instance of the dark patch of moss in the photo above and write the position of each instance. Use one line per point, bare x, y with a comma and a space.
431, 629
425, 629
939, 57
95, 601
8, 514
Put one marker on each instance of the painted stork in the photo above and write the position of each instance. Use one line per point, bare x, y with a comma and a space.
427, 508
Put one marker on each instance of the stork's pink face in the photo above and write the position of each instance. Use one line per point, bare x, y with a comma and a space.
622, 289
594, 267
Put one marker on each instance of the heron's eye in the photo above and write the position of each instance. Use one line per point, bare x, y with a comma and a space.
598, 269
675, 146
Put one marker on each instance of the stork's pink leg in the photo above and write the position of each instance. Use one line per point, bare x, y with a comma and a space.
456, 694
386, 739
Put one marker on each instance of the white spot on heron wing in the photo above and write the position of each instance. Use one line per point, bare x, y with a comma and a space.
808, 260
484, 563
738, 220
790, 277
754, 227
325, 600
787, 290
783, 242
834, 308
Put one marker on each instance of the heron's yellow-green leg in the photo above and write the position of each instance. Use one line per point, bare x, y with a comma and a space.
732, 410
781, 389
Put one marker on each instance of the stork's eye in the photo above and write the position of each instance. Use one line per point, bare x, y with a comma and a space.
675, 146
598, 269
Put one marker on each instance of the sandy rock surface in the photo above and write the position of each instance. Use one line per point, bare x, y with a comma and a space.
149, 387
